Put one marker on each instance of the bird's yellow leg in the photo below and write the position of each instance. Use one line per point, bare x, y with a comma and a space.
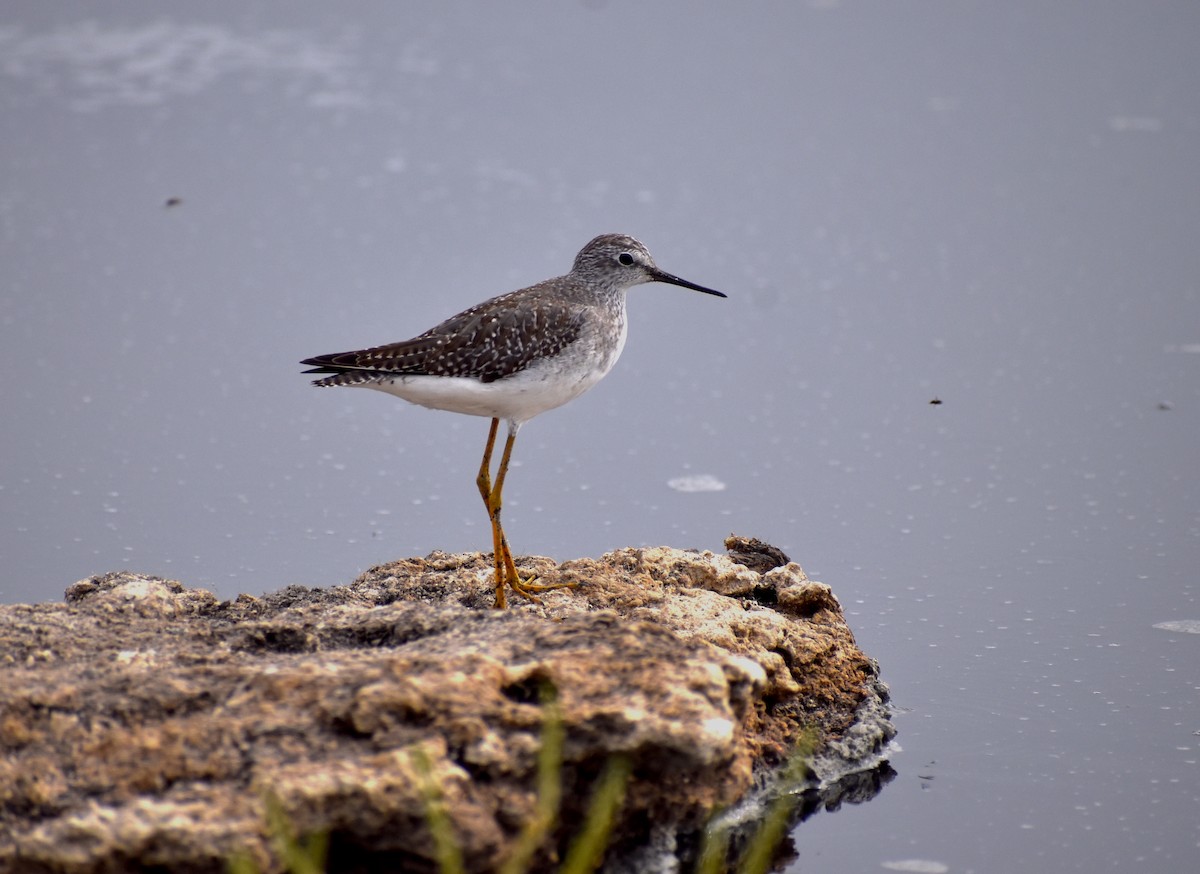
505, 569
503, 554
484, 480
526, 588
499, 548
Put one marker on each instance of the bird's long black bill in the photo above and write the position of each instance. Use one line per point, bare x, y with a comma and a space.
672, 279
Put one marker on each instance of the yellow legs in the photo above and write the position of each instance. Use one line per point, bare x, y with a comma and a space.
506, 569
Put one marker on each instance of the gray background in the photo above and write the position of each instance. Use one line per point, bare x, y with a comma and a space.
994, 204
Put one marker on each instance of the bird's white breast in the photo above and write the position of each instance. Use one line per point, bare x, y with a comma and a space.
544, 385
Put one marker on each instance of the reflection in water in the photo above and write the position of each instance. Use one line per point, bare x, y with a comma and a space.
95, 66
856, 788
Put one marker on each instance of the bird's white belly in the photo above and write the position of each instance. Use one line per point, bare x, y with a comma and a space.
542, 386
517, 398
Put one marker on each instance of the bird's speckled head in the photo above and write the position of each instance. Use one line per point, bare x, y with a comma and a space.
617, 262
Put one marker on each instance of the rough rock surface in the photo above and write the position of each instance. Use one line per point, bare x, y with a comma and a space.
143, 723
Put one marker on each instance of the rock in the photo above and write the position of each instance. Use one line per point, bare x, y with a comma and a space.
144, 724
755, 554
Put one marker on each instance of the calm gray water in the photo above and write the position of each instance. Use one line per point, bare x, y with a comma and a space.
991, 204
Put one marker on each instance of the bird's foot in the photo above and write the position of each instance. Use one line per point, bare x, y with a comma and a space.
525, 587
528, 587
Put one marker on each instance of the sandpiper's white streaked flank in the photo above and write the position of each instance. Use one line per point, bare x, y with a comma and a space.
513, 357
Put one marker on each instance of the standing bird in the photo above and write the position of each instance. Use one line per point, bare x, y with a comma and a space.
513, 357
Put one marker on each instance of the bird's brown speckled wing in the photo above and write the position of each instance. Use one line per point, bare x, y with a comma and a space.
490, 341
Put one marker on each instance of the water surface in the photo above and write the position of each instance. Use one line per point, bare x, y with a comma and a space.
990, 205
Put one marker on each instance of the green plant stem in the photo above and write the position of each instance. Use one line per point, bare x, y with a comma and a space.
549, 785
587, 850
449, 854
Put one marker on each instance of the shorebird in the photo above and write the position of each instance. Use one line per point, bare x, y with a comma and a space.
513, 357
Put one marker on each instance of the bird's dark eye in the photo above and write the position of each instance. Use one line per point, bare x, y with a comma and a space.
625, 258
